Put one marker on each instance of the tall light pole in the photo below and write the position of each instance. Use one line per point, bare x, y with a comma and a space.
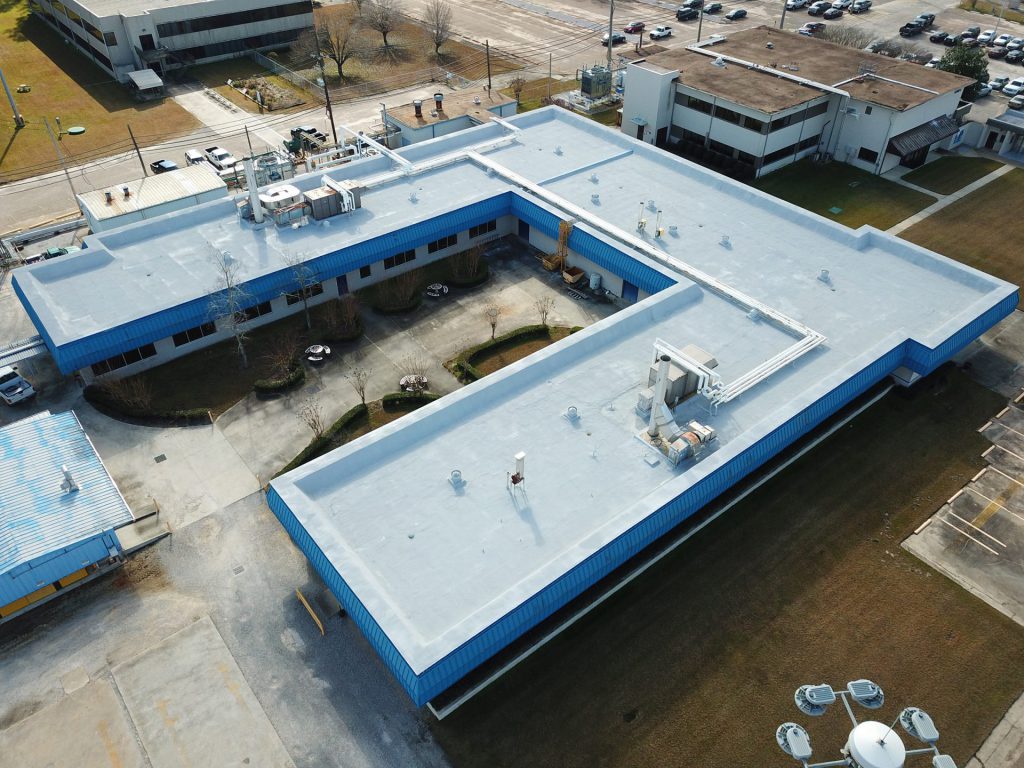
19, 121
327, 97
611, 15
63, 162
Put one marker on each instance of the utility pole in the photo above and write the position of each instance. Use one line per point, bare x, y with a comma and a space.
327, 97
137, 153
549, 78
487, 47
782, 21
19, 121
63, 164
611, 15
700, 21
248, 140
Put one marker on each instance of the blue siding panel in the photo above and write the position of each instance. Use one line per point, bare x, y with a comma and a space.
35, 574
604, 254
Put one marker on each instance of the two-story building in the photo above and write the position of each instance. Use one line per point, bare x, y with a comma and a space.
762, 98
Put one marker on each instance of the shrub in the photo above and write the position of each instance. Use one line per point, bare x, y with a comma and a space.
399, 294
295, 376
396, 399
483, 273
465, 266
106, 399
317, 445
463, 366
339, 320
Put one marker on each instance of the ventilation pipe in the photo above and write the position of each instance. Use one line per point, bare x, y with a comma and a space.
127, 192
254, 197
109, 195
520, 473
438, 98
659, 394
418, 106
68, 485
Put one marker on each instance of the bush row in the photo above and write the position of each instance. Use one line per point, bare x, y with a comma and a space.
108, 404
296, 375
317, 445
408, 398
464, 367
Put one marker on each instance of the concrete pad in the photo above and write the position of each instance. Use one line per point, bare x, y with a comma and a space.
192, 706
87, 728
1005, 746
142, 533
75, 679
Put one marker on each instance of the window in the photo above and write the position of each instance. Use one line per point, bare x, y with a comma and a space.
867, 110
753, 124
365, 271
483, 229
867, 155
399, 258
798, 117
110, 39
809, 142
193, 334
444, 242
818, 109
721, 113
244, 44
699, 104
310, 291
207, 23
123, 359
718, 146
251, 313
693, 136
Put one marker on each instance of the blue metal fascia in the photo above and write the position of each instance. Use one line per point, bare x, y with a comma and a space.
31, 312
51, 567
610, 257
535, 215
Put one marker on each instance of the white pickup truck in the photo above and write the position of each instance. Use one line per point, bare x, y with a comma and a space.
660, 32
220, 158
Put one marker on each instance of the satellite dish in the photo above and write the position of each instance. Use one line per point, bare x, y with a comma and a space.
918, 724
794, 741
943, 761
866, 693
814, 699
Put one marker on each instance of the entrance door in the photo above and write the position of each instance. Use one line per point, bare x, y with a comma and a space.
640, 132
630, 292
343, 285
990, 142
146, 43
662, 136
524, 231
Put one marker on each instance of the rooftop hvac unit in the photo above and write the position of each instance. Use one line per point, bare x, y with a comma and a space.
280, 196
596, 82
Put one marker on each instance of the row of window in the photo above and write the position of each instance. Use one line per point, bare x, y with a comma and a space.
727, 115
792, 149
483, 229
108, 38
125, 358
193, 334
867, 155
399, 259
691, 137
257, 310
78, 39
444, 242
221, 20
234, 46
308, 292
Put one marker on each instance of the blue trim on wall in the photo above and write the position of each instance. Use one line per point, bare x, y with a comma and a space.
28, 577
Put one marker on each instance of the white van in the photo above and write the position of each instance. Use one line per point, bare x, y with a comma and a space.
194, 157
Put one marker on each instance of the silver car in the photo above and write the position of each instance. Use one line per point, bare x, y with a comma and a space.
14, 388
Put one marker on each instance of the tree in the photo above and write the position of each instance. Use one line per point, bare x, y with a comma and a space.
312, 415
304, 277
383, 16
282, 353
969, 62
492, 313
439, 23
359, 377
229, 300
852, 37
544, 307
465, 265
337, 39
517, 84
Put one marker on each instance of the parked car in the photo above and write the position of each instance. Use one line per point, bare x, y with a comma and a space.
968, 42
997, 53
811, 28
795, 5
952, 40
983, 90
660, 32
926, 18
1016, 44
692, 4
712, 8
220, 158
860, 6
1014, 87
818, 8
911, 28
50, 253
986, 37
938, 37
832, 13
933, 62
686, 14
163, 166
1015, 57
1017, 102
842, 4
13, 387
617, 38
633, 27
736, 14
997, 83
1002, 40
194, 157
971, 32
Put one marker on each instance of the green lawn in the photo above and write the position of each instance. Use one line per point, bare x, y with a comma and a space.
948, 174
67, 84
862, 197
977, 230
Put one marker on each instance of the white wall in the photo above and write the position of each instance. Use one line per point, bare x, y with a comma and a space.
648, 97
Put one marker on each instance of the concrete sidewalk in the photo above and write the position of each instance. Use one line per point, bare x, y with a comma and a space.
945, 200
1004, 748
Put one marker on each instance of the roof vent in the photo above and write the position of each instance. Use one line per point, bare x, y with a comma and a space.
418, 106
68, 485
413, 197
127, 192
109, 195
455, 478
572, 413
593, 178
595, 198
673, 230
558, 149
476, 100
725, 242
719, 62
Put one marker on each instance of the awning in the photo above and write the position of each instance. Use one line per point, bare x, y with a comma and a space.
1011, 120
145, 78
923, 136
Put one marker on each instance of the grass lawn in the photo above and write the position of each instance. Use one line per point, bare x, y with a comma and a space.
804, 581
863, 197
498, 357
948, 174
535, 91
216, 75
993, 241
66, 84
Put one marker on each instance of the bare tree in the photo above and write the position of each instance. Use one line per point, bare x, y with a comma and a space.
466, 264
383, 16
229, 300
282, 353
399, 291
517, 84
544, 307
439, 23
851, 37
359, 377
304, 277
337, 39
340, 317
492, 313
312, 415
131, 393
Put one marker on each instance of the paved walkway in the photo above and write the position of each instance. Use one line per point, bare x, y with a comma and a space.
1004, 748
944, 200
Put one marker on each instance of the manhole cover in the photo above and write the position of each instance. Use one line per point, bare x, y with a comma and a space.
836, 210
160, 458
238, 569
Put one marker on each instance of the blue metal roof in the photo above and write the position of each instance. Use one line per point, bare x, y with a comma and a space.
37, 516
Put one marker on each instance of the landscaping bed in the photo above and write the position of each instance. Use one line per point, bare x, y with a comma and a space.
494, 354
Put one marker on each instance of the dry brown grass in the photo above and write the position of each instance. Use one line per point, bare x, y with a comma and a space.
216, 75
695, 663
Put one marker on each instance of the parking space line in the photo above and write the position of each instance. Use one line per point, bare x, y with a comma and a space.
979, 543
1011, 479
1002, 412
1019, 397
988, 450
992, 501
1011, 429
1015, 455
954, 497
982, 472
985, 426
983, 533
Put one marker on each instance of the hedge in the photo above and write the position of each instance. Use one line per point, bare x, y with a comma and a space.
295, 376
408, 398
463, 365
317, 445
101, 399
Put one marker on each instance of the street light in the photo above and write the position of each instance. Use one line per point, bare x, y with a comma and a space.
76, 130
870, 744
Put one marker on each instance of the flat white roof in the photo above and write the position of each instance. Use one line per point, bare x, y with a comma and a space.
151, 191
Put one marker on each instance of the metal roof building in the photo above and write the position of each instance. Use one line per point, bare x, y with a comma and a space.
48, 528
441, 570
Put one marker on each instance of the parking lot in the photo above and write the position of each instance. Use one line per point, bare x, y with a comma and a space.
977, 537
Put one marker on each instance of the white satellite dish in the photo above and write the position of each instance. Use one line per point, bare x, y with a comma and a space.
814, 699
918, 724
794, 741
866, 693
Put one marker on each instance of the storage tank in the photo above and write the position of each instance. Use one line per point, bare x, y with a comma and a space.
595, 281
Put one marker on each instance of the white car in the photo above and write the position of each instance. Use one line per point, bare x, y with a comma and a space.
997, 83
1016, 44
221, 159
1014, 87
13, 388
933, 62
842, 4
984, 90
659, 32
795, 5
986, 37
1002, 40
